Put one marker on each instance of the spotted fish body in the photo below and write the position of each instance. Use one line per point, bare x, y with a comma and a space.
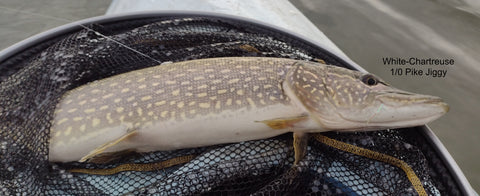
224, 100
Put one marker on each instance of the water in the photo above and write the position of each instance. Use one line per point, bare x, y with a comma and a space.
366, 31
16, 26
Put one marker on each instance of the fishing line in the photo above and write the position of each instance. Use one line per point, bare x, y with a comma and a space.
83, 26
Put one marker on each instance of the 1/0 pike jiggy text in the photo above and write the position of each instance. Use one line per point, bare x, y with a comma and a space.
430, 72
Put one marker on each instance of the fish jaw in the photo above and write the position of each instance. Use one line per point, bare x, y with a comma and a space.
404, 109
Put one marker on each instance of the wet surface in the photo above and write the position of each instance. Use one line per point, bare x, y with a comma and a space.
372, 30
366, 32
22, 19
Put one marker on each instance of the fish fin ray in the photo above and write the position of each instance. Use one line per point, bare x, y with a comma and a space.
107, 157
100, 150
283, 123
300, 143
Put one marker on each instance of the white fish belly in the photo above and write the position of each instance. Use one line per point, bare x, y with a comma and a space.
224, 127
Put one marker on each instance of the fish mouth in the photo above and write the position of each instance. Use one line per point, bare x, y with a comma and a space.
393, 110
440, 103
398, 98
408, 109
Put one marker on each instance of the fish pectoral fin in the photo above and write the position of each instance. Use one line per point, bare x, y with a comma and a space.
283, 123
100, 150
300, 143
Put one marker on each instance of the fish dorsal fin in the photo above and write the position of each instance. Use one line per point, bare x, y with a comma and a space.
305, 86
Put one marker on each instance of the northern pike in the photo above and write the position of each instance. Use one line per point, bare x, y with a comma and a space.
226, 100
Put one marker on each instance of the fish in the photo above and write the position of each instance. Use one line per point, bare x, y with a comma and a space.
212, 101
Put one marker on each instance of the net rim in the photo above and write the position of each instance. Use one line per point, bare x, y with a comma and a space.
77, 25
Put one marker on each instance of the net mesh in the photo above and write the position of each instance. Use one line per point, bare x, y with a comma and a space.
32, 82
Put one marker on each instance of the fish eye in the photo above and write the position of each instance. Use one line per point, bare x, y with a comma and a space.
369, 80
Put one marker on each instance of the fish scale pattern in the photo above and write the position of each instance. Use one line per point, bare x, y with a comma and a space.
32, 82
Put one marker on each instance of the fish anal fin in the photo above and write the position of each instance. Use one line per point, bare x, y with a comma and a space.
300, 143
283, 123
107, 157
101, 149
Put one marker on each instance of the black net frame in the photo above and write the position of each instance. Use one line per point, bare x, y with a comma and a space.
33, 78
